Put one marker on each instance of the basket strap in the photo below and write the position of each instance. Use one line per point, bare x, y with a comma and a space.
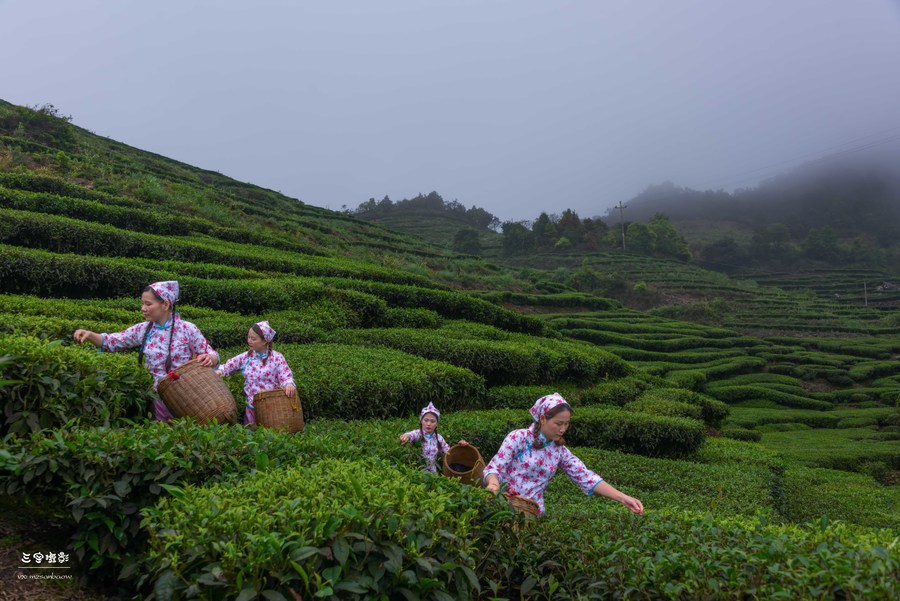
294, 404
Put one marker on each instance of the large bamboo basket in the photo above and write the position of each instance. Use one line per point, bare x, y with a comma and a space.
199, 393
524, 505
275, 409
464, 462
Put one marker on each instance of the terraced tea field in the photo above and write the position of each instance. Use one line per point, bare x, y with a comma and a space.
745, 448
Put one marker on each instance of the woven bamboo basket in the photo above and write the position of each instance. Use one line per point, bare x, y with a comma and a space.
524, 505
464, 462
276, 410
198, 392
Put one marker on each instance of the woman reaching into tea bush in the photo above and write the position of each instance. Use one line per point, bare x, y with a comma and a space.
165, 340
528, 458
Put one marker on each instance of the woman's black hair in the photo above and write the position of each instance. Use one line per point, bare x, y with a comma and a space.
259, 333
150, 327
536, 427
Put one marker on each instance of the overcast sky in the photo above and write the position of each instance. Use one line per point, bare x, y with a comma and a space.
516, 106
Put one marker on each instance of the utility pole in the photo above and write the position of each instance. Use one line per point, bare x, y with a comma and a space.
622, 208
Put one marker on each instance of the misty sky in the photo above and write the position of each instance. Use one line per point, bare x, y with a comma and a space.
516, 106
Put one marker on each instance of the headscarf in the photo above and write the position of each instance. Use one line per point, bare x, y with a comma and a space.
267, 331
545, 404
168, 291
430, 408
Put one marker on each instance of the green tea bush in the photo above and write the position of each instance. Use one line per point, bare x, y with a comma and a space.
36, 317
523, 397
712, 411
56, 384
447, 303
850, 449
663, 407
718, 450
62, 234
751, 417
567, 299
127, 218
335, 530
105, 476
616, 392
353, 382
673, 554
500, 362
723, 487
811, 493
604, 427
398, 317
40, 272
741, 434
733, 394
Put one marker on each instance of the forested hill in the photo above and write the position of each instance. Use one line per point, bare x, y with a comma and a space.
827, 214
829, 211
853, 199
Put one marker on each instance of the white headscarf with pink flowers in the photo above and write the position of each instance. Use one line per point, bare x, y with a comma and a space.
267, 331
168, 290
430, 408
545, 404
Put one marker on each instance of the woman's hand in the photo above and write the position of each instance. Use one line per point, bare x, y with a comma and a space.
82, 336
290, 390
462, 443
206, 359
404, 439
493, 484
219, 372
633, 504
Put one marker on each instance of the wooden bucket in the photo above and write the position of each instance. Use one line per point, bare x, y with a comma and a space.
464, 462
199, 393
524, 505
275, 409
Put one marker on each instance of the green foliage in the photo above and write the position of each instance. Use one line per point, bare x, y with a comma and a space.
454, 305
604, 427
397, 317
811, 493
55, 384
664, 407
850, 449
741, 434
725, 487
42, 124
62, 234
106, 476
353, 382
466, 241
733, 394
345, 529
751, 417
691, 555
517, 360
523, 397
712, 411
616, 392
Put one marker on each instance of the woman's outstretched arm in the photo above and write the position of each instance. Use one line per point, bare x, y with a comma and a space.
605, 489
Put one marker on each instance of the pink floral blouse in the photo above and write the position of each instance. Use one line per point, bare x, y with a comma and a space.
529, 470
431, 446
187, 343
258, 377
